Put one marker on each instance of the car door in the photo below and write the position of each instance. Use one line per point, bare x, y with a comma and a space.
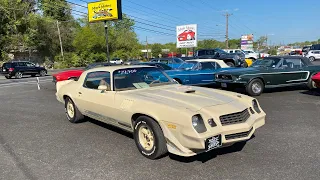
96, 103
203, 73
317, 54
22, 67
31, 68
293, 71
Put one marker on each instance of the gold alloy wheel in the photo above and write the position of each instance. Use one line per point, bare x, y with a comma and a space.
146, 138
70, 109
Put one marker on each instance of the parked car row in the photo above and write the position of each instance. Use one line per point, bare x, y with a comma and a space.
156, 103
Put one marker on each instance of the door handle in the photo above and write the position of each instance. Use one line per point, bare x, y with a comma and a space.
80, 92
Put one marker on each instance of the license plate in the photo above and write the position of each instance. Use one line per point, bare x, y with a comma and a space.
224, 85
213, 142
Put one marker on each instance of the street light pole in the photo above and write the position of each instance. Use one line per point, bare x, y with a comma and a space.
107, 40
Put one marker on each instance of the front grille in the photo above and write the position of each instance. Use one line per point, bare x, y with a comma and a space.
224, 77
238, 135
235, 118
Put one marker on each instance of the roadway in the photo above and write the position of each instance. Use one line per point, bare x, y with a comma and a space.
37, 142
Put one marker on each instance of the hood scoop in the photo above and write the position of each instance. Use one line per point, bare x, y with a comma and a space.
190, 91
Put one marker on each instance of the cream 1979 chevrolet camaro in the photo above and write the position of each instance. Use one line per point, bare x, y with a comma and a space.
163, 115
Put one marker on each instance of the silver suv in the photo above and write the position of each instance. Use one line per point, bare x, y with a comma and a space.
313, 55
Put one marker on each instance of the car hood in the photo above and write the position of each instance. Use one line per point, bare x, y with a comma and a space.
241, 71
188, 97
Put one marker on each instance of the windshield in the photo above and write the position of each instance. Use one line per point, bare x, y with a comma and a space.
272, 63
178, 60
187, 65
137, 78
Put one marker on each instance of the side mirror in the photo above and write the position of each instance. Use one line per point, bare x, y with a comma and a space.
104, 88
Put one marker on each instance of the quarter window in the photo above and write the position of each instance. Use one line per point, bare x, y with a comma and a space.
95, 79
206, 66
216, 65
292, 63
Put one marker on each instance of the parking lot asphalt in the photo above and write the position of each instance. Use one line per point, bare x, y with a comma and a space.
37, 142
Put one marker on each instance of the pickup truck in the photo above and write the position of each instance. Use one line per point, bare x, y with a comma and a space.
231, 59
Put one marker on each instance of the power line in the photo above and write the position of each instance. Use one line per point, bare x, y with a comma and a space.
150, 30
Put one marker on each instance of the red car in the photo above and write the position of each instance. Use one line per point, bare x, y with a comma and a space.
316, 79
187, 35
66, 75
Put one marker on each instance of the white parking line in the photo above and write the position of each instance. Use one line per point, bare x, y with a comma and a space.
24, 83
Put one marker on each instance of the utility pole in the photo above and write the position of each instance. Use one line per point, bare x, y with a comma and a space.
227, 15
60, 40
107, 40
147, 48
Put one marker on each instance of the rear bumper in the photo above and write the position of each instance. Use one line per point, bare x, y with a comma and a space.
7, 73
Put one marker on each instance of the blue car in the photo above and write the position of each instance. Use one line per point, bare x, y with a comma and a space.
197, 71
174, 63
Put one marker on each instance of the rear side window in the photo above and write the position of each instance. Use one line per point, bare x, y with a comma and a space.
22, 64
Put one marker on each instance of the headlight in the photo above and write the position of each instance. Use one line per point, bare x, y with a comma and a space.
197, 123
256, 106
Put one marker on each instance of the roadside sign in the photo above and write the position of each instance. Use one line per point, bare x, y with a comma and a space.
187, 36
247, 42
105, 10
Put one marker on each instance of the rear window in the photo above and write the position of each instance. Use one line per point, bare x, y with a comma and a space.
8, 65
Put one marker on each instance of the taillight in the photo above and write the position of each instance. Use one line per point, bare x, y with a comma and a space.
11, 69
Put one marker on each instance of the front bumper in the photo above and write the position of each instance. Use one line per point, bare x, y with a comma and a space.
230, 84
183, 144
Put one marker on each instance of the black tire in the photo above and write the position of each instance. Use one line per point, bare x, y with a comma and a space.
18, 75
258, 84
178, 80
312, 58
231, 64
42, 73
311, 85
159, 147
8, 77
77, 117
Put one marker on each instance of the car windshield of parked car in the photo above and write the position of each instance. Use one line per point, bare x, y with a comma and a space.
271, 63
178, 60
187, 65
141, 77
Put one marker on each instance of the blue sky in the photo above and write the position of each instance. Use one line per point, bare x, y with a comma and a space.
284, 21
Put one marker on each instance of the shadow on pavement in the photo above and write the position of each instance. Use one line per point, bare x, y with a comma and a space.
207, 156
315, 92
110, 127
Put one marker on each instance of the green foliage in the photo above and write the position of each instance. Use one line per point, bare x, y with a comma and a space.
272, 51
56, 9
156, 49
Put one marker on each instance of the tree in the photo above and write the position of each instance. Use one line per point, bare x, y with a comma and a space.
156, 49
57, 9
